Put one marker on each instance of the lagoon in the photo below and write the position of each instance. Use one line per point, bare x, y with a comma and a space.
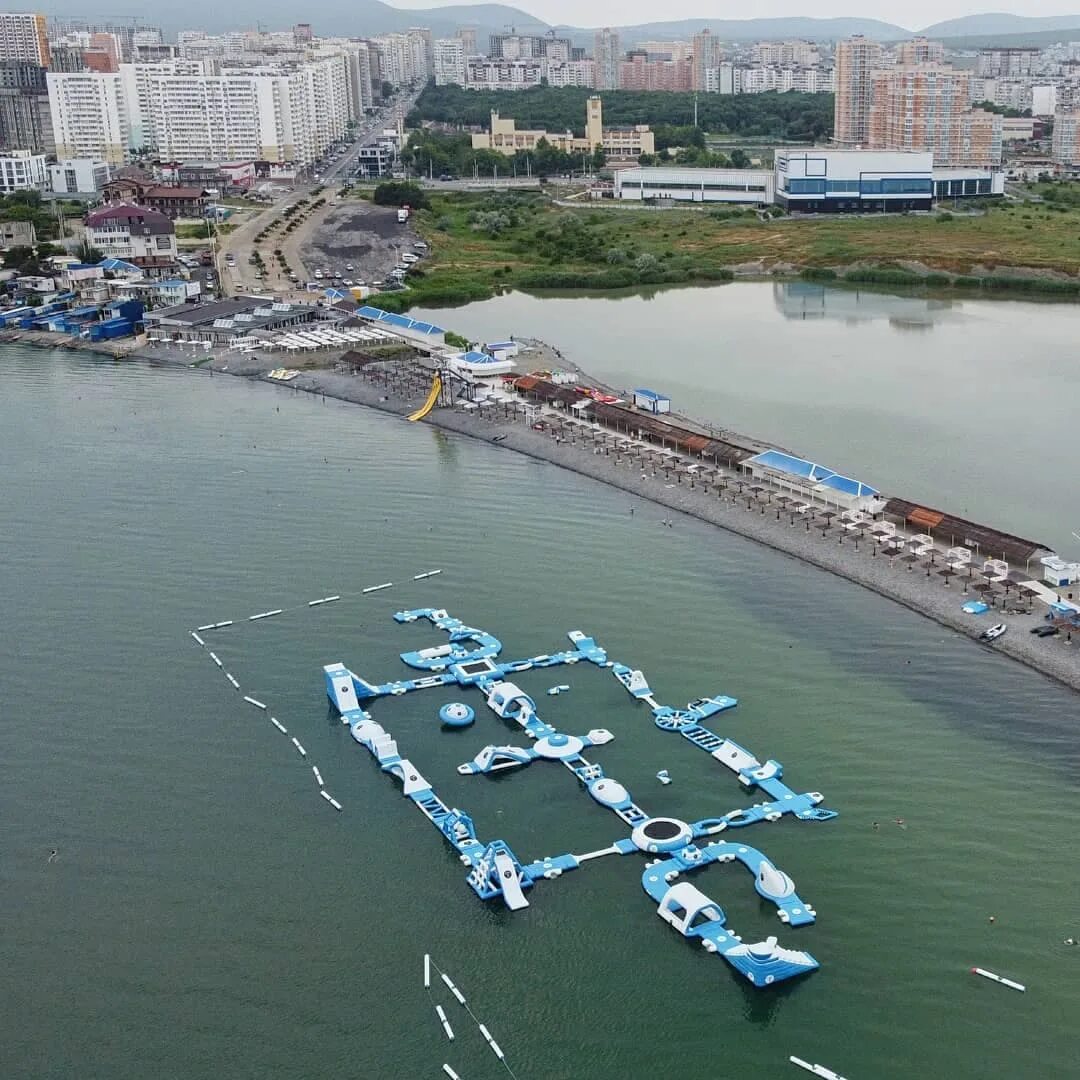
966, 405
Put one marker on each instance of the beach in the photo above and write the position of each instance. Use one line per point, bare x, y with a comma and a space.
650, 491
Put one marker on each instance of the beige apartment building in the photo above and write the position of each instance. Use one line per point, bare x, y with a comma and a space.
617, 142
857, 58
927, 107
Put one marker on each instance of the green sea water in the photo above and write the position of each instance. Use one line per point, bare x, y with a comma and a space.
208, 915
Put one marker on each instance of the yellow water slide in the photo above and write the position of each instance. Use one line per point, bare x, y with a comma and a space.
436, 390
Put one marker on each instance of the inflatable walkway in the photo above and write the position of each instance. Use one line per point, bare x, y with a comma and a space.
432, 398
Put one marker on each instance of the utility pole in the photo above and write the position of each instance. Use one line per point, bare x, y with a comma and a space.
695, 109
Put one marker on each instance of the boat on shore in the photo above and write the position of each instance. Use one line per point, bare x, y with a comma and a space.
994, 632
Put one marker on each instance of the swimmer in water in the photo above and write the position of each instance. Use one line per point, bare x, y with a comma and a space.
876, 826
53, 854
900, 822
1070, 941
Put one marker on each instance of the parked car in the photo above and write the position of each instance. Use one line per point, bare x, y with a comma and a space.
318, 275
349, 267
409, 258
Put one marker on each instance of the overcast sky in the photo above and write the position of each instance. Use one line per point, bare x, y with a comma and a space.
912, 15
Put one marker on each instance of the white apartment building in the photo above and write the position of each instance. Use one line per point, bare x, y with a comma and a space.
786, 54
90, 115
79, 176
134, 234
406, 58
24, 37
449, 62
178, 112
22, 170
571, 72
492, 73
758, 80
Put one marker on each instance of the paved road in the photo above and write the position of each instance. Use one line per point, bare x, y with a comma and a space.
241, 242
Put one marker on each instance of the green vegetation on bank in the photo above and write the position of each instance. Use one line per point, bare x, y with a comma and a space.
791, 117
483, 243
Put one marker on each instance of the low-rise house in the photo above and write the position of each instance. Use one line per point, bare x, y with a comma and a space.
173, 202
135, 234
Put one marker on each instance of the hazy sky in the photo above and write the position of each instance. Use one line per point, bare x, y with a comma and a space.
912, 15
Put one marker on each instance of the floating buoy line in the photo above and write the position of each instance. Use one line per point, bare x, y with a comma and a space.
318, 602
440, 1013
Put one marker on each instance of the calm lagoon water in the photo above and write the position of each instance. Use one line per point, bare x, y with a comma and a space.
968, 405
209, 915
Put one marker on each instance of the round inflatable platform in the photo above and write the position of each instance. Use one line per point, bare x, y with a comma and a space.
457, 714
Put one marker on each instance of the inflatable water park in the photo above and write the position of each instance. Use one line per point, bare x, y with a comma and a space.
675, 850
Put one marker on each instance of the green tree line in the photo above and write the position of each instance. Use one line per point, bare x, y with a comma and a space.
791, 116
436, 153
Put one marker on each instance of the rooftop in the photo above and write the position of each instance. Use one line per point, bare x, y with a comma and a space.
780, 462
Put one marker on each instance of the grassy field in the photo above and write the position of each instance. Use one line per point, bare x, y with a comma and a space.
480, 243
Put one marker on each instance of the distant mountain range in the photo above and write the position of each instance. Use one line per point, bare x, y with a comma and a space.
370, 17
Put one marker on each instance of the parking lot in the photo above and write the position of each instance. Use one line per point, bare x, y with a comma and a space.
366, 237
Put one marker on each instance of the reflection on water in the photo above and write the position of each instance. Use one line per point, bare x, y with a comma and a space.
810, 300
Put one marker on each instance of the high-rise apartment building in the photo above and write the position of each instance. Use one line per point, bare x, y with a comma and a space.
919, 50
24, 37
449, 62
90, 116
706, 59
927, 107
1007, 63
638, 72
1066, 141
856, 60
786, 54
179, 112
468, 40
606, 56
25, 120
406, 58
666, 50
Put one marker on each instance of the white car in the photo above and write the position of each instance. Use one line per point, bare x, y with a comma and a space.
318, 275
409, 257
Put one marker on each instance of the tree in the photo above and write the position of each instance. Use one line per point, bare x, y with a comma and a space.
739, 158
87, 253
17, 257
386, 89
599, 158
400, 193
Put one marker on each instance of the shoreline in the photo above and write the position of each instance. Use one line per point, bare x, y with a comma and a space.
926, 596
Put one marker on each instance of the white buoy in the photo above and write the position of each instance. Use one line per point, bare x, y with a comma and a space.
998, 979
440, 1012
279, 725
495, 1048
228, 675
327, 796
335, 804
252, 701
817, 1070
318, 775
208, 626
214, 657
324, 600
427, 970
452, 988
198, 639
426, 574
376, 588
487, 1034
450, 1072
265, 614
219, 625
300, 749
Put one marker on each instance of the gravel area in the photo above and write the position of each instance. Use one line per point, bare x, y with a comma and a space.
368, 236
929, 596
